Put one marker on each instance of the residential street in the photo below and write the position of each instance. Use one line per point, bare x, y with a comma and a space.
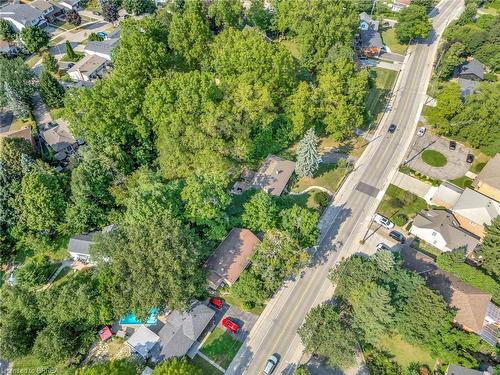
347, 219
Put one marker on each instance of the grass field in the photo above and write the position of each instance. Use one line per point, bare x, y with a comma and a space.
405, 353
434, 158
462, 182
397, 201
205, 367
306, 199
221, 347
492, 8
232, 300
377, 95
32, 365
328, 176
19, 124
389, 39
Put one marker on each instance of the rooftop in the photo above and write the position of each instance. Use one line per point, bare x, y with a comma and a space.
232, 256
473, 66
103, 47
459, 370
371, 39
143, 340
273, 175
476, 207
443, 222
88, 65
22, 13
41, 5
59, 137
491, 173
446, 195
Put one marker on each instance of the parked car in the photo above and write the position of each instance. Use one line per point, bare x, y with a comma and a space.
96, 13
216, 302
382, 220
470, 158
230, 325
392, 128
271, 364
421, 131
382, 246
102, 35
397, 236
453, 145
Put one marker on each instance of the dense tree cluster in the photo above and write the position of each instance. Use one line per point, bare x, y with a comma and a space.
413, 23
34, 38
378, 298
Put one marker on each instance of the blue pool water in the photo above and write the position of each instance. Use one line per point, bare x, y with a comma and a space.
131, 319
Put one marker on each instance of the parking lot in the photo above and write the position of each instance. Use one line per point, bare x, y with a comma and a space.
456, 165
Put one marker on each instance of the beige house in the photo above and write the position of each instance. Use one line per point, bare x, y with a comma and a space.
273, 175
488, 181
89, 68
473, 210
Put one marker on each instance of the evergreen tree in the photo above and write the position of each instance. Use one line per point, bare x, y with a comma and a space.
51, 90
49, 63
17, 105
70, 53
491, 248
308, 155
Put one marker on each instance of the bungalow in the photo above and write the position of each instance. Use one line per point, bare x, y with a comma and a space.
474, 310
7, 130
470, 74
473, 210
59, 139
371, 43
367, 23
79, 246
273, 175
142, 341
70, 4
231, 257
440, 229
22, 15
487, 181
89, 68
181, 331
101, 48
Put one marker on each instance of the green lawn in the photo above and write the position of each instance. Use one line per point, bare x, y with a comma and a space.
56, 113
405, 353
306, 199
462, 182
434, 158
221, 347
19, 124
398, 202
492, 8
205, 367
234, 301
32, 365
377, 95
328, 176
389, 39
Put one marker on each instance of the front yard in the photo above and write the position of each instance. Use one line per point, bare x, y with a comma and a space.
378, 94
205, 367
328, 176
405, 353
389, 39
221, 347
400, 205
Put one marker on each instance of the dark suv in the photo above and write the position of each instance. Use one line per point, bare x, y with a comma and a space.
392, 128
397, 236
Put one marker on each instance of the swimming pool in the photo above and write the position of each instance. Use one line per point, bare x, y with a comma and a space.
130, 318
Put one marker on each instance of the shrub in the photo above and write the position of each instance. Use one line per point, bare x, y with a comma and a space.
400, 219
321, 198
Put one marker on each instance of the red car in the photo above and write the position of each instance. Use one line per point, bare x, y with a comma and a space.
216, 302
230, 325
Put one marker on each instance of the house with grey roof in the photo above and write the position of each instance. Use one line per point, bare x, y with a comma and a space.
487, 181
89, 68
440, 229
70, 4
59, 139
367, 23
473, 210
181, 332
142, 341
470, 74
371, 43
22, 15
79, 246
101, 48
273, 175
49, 10
459, 370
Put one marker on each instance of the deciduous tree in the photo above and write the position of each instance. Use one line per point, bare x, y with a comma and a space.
225, 13
260, 212
49, 63
176, 367
490, 249
6, 31
73, 17
16, 78
51, 90
110, 12
452, 58
138, 7
34, 38
111, 367
413, 23
301, 223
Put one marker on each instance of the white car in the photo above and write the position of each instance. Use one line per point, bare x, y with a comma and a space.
421, 131
382, 220
271, 364
382, 246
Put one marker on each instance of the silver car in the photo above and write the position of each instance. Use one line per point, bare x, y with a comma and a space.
382, 220
271, 364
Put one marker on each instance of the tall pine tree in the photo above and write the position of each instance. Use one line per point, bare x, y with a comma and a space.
51, 90
308, 155
70, 53
16, 103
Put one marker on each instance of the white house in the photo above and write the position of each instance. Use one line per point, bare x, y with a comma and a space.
79, 246
440, 229
70, 4
101, 48
89, 68
22, 15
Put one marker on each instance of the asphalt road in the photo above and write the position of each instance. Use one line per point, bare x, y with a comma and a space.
349, 215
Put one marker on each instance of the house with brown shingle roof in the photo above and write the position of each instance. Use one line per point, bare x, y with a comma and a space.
273, 175
487, 181
231, 257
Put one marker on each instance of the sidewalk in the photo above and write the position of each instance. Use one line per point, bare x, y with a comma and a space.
411, 184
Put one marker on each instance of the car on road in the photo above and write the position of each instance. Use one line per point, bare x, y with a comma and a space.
216, 302
392, 128
230, 325
271, 364
382, 220
470, 158
397, 236
453, 145
382, 246
421, 131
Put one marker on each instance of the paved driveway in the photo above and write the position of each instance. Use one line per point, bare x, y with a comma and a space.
244, 319
454, 168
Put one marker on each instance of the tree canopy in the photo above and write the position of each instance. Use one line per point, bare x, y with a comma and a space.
34, 38
413, 23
